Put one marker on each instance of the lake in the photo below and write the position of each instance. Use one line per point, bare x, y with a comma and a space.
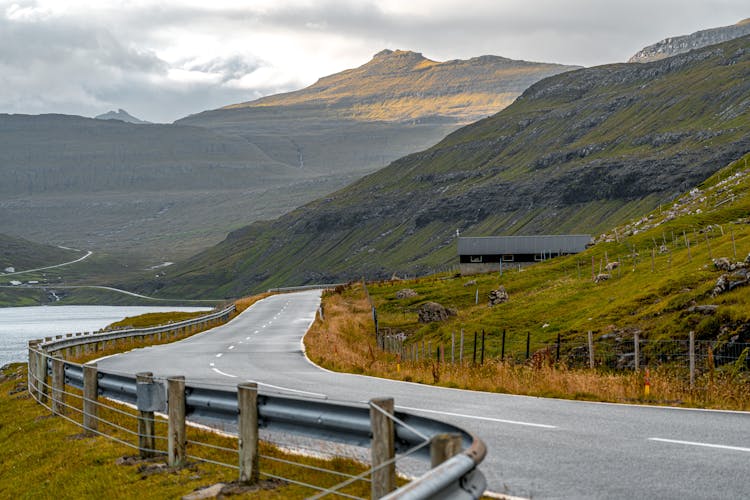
21, 324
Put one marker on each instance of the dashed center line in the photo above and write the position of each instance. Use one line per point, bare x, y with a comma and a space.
230, 347
489, 419
223, 373
219, 355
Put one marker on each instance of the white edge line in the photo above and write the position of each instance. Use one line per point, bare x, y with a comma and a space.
704, 445
296, 391
222, 373
490, 419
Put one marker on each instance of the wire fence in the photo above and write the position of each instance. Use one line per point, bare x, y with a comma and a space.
286, 458
607, 351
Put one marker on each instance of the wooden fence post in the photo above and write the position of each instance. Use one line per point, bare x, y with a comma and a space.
146, 422
453, 347
637, 346
692, 358
482, 361
461, 349
502, 348
383, 449
58, 386
474, 358
591, 350
443, 447
90, 399
177, 443
528, 344
41, 376
247, 401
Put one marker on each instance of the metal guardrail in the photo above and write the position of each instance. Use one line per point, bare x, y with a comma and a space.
349, 424
63, 342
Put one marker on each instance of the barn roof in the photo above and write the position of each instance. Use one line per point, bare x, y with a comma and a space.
499, 245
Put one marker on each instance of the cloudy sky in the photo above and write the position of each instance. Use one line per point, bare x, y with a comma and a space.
164, 59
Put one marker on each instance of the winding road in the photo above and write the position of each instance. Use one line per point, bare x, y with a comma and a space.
540, 448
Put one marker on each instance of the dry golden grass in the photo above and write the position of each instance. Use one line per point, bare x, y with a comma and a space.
345, 342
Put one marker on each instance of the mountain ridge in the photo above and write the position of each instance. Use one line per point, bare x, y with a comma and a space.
680, 44
578, 151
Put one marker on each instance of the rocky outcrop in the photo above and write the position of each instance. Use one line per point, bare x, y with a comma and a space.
680, 44
406, 293
728, 282
498, 296
430, 312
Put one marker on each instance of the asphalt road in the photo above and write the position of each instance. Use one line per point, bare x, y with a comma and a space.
539, 448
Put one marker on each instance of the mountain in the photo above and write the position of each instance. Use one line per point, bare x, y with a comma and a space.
361, 119
681, 44
577, 152
167, 191
121, 115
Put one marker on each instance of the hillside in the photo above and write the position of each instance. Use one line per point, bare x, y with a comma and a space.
164, 192
22, 254
577, 152
680, 44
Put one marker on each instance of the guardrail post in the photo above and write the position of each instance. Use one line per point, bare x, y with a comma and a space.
146, 422
58, 386
383, 450
176, 411
691, 354
443, 447
90, 398
247, 402
31, 367
41, 375
591, 349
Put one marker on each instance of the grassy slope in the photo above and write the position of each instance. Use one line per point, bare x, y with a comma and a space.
577, 152
561, 294
24, 254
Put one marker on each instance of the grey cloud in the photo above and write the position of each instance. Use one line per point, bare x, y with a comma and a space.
230, 68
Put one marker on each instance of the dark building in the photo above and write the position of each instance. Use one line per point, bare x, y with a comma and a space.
483, 254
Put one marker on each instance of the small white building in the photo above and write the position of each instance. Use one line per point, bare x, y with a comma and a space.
15, 282
10, 269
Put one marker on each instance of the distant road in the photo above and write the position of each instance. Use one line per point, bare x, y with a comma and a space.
540, 448
88, 254
112, 289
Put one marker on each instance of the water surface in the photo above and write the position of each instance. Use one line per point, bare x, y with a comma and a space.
21, 324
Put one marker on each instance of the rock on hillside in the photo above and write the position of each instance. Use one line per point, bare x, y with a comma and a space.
577, 152
681, 44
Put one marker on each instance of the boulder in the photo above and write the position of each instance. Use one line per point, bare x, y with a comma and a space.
430, 312
612, 265
406, 293
498, 296
470, 283
723, 264
601, 277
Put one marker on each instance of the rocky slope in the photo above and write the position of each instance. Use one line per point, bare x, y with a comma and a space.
681, 44
577, 152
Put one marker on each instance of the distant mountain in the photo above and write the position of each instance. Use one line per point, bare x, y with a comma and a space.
681, 44
121, 115
577, 152
363, 118
167, 191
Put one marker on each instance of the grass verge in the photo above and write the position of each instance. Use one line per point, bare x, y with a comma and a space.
344, 342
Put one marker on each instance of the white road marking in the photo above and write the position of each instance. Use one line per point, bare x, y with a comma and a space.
219, 355
489, 419
230, 347
704, 445
256, 331
211, 364
247, 338
222, 373
287, 389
